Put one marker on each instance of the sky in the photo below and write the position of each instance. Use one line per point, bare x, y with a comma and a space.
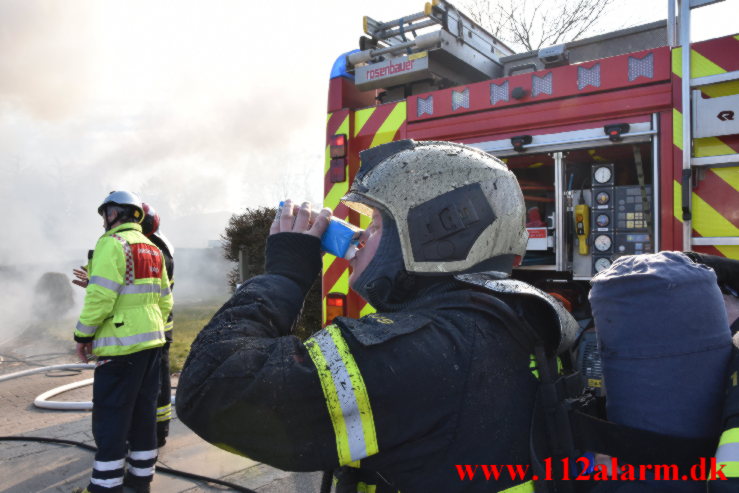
202, 107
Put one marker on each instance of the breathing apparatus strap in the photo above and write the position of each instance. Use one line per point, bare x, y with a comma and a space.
634, 446
550, 401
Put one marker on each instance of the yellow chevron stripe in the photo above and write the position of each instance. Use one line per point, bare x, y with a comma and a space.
392, 123
366, 310
328, 259
729, 175
710, 146
341, 285
333, 197
706, 221
677, 129
709, 221
364, 221
700, 66
722, 89
361, 117
338, 190
729, 251
677, 209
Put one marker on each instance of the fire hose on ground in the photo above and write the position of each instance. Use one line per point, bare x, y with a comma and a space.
43, 402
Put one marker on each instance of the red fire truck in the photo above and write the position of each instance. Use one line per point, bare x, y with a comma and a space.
616, 152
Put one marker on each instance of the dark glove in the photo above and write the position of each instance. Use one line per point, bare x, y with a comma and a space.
296, 256
727, 270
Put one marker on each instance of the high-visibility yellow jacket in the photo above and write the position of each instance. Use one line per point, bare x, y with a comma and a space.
128, 297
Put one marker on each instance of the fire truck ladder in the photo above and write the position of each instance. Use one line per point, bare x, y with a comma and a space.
692, 107
459, 45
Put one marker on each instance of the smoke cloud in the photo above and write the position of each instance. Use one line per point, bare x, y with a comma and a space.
203, 108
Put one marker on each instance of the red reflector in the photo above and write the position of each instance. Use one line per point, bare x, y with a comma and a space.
338, 146
335, 306
337, 170
335, 301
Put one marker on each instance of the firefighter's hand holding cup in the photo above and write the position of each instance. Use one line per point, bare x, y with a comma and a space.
338, 237
294, 218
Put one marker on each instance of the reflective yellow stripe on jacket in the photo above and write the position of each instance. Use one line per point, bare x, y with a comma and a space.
346, 395
122, 313
527, 487
727, 453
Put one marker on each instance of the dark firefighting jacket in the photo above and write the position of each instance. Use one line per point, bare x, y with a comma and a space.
415, 395
169, 264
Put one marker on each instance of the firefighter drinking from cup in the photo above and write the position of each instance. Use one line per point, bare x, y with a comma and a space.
126, 302
434, 379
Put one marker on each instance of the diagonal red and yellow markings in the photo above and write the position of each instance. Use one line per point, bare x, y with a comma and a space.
715, 198
364, 128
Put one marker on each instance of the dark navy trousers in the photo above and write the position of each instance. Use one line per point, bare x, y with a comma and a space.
164, 402
124, 399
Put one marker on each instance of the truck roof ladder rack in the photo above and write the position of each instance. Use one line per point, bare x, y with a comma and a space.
406, 49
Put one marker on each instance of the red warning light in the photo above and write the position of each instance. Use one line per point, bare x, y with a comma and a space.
338, 146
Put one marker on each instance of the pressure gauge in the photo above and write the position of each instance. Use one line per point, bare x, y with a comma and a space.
601, 264
602, 243
602, 198
602, 174
602, 220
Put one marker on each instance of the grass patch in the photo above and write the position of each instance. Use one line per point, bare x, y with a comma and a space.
56, 333
189, 319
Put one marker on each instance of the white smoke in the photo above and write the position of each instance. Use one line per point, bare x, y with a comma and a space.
203, 108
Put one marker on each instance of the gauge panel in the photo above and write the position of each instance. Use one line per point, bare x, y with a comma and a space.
603, 243
601, 220
602, 174
601, 263
603, 197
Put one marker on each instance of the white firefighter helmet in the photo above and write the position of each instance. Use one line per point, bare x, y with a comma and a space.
457, 209
124, 199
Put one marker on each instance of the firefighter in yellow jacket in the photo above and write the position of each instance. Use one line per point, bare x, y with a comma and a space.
122, 323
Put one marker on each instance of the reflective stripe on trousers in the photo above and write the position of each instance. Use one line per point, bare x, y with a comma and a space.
346, 395
164, 413
141, 463
107, 474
